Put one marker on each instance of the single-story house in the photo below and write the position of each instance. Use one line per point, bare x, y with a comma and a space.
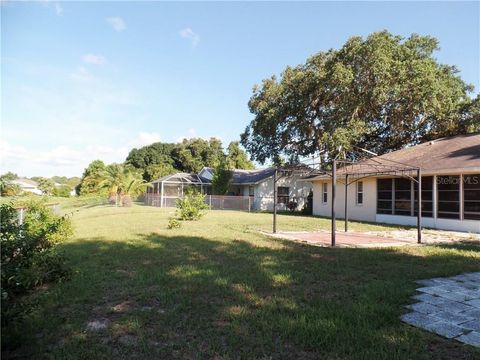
256, 186
27, 185
379, 191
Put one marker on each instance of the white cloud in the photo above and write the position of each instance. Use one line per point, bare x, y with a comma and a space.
144, 139
65, 160
94, 59
117, 23
188, 33
81, 74
58, 9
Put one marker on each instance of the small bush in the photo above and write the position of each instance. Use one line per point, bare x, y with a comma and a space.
191, 207
28, 254
173, 223
127, 201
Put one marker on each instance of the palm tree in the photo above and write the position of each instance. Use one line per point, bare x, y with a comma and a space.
121, 182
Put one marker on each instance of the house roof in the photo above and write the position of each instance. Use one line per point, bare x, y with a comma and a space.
183, 178
448, 154
25, 181
239, 177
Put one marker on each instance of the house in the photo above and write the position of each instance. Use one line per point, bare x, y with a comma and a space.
252, 187
27, 185
383, 189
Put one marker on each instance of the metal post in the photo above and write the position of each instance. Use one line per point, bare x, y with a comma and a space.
346, 202
275, 201
419, 207
334, 185
161, 196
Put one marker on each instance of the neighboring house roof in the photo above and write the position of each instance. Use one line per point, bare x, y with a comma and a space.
25, 182
455, 153
239, 177
243, 177
183, 178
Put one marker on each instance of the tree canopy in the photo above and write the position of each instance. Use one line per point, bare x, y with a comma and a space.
190, 155
381, 93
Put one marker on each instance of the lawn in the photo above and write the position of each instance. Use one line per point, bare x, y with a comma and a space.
218, 289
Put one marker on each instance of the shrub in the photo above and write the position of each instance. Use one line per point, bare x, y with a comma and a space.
191, 206
292, 205
28, 254
308, 207
127, 201
174, 223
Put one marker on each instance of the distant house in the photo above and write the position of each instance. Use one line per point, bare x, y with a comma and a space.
28, 185
450, 187
252, 186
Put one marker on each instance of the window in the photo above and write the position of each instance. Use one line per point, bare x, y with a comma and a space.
471, 197
403, 193
448, 197
324, 193
251, 191
427, 197
282, 195
359, 192
384, 196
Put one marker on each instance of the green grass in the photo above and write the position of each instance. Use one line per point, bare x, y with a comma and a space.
218, 289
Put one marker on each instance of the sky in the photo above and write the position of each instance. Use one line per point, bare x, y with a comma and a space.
91, 80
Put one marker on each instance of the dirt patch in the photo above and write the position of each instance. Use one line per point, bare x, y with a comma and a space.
123, 307
98, 325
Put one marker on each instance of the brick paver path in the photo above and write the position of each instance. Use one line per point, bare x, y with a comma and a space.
449, 307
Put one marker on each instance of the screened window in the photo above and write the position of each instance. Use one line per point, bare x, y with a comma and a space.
403, 193
282, 194
359, 192
384, 196
471, 197
427, 197
324, 193
448, 197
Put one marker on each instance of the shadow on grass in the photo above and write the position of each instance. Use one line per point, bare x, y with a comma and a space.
192, 297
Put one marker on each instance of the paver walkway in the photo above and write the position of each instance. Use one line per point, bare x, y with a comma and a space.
449, 307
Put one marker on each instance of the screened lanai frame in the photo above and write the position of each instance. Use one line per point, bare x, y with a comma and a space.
352, 172
173, 187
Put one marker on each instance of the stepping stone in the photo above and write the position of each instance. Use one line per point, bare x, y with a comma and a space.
445, 329
454, 318
472, 338
418, 319
456, 296
475, 303
454, 306
431, 299
474, 313
424, 308
472, 325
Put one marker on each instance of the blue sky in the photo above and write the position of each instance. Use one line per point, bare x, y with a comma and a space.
82, 81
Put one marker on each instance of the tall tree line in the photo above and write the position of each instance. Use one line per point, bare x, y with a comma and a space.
160, 159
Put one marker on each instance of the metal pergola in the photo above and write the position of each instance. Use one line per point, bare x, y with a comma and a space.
351, 172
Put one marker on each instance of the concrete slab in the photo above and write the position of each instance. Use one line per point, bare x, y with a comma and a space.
472, 338
475, 303
424, 308
445, 329
454, 318
418, 319
472, 325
